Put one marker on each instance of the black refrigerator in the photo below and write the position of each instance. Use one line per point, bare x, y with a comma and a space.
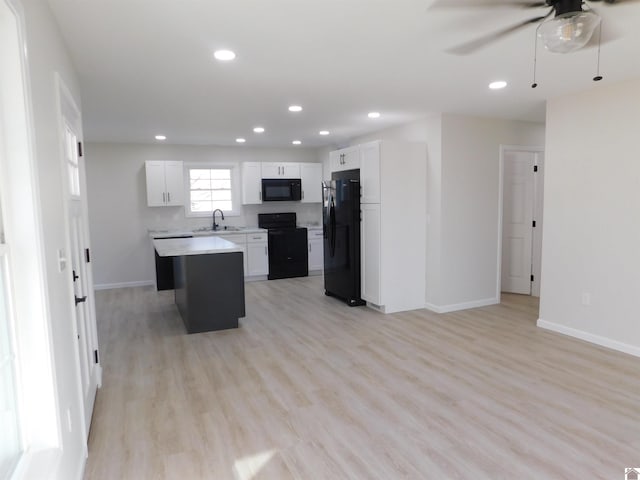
341, 224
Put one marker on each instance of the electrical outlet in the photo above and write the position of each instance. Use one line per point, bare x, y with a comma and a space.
586, 299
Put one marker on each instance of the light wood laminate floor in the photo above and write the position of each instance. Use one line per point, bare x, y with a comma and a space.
308, 388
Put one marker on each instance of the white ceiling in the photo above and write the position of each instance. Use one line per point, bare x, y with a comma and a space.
146, 66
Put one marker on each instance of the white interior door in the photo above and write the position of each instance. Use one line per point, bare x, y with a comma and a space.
80, 274
517, 221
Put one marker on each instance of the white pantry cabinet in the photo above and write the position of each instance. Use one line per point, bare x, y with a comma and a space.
165, 183
251, 183
370, 172
311, 179
315, 237
257, 254
345, 159
280, 170
370, 234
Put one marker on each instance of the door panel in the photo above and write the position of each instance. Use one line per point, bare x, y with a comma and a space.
517, 218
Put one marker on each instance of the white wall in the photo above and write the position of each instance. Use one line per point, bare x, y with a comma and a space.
46, 56
591, 240
120, 219
469, 205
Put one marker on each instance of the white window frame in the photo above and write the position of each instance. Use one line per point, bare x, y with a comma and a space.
40, 423
236, 196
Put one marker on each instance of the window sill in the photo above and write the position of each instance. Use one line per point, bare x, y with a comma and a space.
38, 465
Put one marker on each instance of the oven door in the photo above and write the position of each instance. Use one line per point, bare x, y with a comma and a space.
281, 189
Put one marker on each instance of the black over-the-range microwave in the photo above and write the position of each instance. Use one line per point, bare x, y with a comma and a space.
281, 189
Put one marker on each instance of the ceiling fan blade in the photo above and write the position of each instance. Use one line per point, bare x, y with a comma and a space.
613, 2
477, 44
487, 3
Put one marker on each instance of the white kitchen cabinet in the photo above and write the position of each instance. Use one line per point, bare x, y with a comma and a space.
393, 227
345, 159
370, 172
280, 170
370, 235
165, 183
241, 240
315, 238
311, 179
251, 183
257, 254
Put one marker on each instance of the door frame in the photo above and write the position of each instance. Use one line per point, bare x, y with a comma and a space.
537, 181
69, 112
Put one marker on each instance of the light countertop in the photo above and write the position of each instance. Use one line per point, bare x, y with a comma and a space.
204, 232
176, 247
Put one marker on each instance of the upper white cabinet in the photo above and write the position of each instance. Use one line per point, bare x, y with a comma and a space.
311, 177
345, 159
370, 172
280, 170
251, 183
165, 183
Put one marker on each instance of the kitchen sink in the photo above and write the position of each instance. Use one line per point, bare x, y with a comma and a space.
219, 230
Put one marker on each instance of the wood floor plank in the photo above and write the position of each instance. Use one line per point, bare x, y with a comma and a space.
308, 388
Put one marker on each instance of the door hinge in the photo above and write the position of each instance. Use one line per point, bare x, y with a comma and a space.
535, 168
79, 149
75, 277
534, 223
87, 255
95, 356
532, 278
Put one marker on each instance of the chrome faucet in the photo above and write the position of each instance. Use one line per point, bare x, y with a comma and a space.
215, 225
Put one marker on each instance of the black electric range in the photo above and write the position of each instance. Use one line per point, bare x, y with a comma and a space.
288, 254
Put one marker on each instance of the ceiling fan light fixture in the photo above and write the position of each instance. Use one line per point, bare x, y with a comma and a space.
568, 32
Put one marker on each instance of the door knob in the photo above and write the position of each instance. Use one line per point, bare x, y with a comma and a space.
80, 300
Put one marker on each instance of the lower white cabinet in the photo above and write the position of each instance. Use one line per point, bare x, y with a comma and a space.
370, 253
315, 238
240, 239
257, 257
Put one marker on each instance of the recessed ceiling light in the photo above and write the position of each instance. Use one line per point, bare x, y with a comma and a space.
240, 140
295, 108
497, 85
297, 142
323, 132
259, 129
374, 115
224, 55
160, 137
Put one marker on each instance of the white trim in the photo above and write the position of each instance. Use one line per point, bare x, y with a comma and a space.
110, 286
504, 148
38, 394
589, 337
462, 306
236, 188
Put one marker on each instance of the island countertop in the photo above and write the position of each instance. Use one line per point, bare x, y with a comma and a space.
175, 247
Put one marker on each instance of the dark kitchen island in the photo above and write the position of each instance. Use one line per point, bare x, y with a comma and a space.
209, 281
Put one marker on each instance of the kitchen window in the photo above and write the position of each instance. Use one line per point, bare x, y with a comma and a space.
212, 187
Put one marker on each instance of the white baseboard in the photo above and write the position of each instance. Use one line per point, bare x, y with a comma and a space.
109, 286
590, 337
461, 306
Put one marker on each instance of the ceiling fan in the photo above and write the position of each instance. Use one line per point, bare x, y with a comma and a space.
567, 26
